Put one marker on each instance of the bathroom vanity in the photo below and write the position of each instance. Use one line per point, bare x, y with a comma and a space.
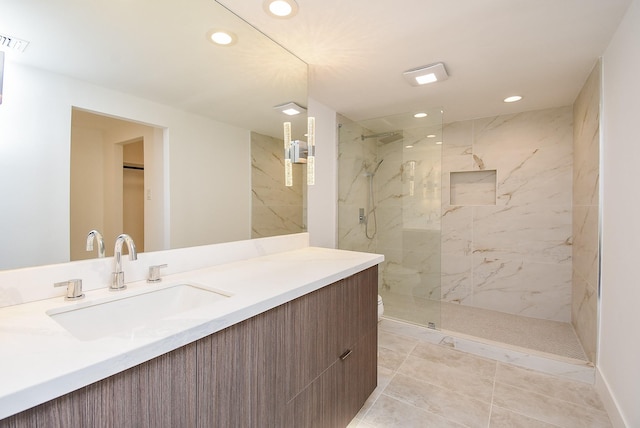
293, 343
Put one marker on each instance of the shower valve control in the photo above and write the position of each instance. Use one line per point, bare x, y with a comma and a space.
361, 216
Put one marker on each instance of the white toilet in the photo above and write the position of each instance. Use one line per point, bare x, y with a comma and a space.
380, 308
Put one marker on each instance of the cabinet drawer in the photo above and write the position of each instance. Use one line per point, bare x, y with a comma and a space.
323, 324
336, 396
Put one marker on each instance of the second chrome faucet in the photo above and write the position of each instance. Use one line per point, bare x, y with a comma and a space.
117, 277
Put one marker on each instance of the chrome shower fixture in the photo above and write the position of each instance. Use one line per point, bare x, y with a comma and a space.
385, 137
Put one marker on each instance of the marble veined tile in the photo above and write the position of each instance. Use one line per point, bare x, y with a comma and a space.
586, 137
457, 279
450, 404
548, 409
457, 230
516, 286
451, 378
458, 137
353, 185
585, 242
552, 386
527, 130
540, 176
536, 233
503, 418
388, 412
584, 315
464, 362
403, 345
389, 220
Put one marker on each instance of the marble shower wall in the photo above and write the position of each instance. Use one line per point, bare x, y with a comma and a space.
275, 208
586, 159
406, 192
409, 204
355, 157
511, 252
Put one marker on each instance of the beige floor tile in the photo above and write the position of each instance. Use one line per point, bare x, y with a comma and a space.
456, 359
552, 386
451, 378
384, 377
503, 418
388, 412
448, 404
390, 359
548, 409
394, 342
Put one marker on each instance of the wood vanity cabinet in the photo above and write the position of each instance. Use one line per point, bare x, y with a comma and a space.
309, 362
332, 352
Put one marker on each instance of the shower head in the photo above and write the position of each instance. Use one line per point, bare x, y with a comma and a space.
385, 137
391, 138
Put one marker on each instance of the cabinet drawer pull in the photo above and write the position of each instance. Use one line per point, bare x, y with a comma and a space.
345, 355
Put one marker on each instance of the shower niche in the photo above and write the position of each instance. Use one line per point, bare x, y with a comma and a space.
473, 187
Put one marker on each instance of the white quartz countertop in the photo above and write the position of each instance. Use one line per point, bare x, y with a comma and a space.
41, 360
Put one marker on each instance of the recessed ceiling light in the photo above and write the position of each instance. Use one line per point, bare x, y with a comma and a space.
420, 115
431, 136
222, 37
426, 74
408, 147
512, 99
281, 8
290, 108
438, 142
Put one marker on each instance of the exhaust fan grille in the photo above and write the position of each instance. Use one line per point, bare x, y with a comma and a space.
13, 43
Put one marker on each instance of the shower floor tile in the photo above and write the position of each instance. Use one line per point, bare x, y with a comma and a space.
553, 337
550, 337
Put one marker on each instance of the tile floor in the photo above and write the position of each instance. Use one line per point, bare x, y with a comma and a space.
422, 384
547, 336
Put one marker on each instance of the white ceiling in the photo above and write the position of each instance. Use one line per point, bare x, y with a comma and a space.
357, 51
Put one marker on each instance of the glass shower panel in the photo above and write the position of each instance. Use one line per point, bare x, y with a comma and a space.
390, 203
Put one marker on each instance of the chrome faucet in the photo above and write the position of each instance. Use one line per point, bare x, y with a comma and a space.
117, 277
98, 236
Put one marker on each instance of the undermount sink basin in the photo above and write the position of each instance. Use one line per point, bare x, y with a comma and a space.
128, 314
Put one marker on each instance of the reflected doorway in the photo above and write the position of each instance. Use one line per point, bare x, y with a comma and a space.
133, 191
116, 182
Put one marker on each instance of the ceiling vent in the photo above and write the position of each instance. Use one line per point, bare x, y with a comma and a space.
13, 43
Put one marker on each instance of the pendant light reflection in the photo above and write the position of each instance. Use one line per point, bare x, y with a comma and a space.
311, 155
288, 168
293, 152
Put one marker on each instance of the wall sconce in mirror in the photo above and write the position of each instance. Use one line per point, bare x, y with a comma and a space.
290, 109
300, 152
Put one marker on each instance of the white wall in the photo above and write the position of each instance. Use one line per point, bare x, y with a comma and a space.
208, 167
322, 197
619, 350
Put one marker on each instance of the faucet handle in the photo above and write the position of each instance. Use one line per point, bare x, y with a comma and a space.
154, 273
74, 288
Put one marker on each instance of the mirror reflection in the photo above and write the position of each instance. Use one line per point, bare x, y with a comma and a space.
196, 129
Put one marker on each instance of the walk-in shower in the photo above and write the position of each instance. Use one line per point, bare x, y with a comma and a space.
472, 223
389, 187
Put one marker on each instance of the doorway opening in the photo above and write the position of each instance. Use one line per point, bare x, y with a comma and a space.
116, 182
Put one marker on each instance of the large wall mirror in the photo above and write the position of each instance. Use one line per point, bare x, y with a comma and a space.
110, 86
